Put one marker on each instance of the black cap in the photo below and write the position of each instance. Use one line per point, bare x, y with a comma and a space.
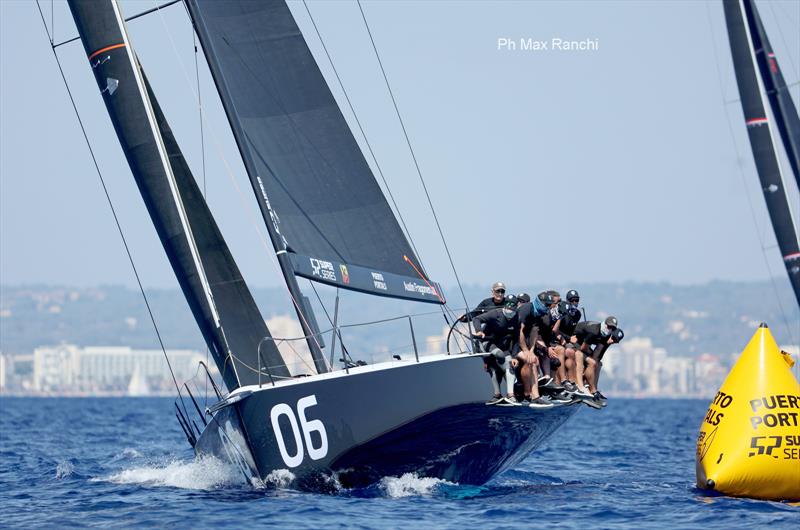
572, 294
523, 298
510, 301
617, 335
563, 307
611, 322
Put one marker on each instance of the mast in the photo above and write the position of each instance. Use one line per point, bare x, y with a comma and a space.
208, 276
762, 139
783, 107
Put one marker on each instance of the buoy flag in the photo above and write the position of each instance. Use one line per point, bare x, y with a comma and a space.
749, 441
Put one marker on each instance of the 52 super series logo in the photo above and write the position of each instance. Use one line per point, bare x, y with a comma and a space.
323, 269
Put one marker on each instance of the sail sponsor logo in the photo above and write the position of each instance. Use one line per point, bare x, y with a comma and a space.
415, 287
378, 281
272, 215
345, 274
322, 269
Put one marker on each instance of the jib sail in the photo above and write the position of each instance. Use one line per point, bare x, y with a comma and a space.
762, 141
328, 218
217, 295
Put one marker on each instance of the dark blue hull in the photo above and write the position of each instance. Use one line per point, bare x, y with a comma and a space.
427, 418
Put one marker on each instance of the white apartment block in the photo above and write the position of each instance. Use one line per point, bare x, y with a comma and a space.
107, 368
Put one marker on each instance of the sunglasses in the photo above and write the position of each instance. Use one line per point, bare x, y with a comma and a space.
500, 291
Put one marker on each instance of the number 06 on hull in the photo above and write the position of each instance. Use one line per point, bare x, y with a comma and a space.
432, 421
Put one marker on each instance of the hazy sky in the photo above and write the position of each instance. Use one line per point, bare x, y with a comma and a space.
544, 166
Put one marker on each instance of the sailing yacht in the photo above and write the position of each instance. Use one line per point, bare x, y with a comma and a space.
329, 222
762, 86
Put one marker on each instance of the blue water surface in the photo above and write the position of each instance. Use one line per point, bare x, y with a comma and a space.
123, 462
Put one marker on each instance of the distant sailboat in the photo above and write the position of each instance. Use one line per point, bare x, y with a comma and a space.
328, 221
761, 86
137, 387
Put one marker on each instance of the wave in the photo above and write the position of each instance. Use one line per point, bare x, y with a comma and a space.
128, 452
203, 473
411, 485
64, 469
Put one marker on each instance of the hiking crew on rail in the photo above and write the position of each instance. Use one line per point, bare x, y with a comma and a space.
542, 341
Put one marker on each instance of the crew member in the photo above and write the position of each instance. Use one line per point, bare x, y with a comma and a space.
496, 301
497, 328
530, 317
588, 336
616, 336
527, 366
565, 328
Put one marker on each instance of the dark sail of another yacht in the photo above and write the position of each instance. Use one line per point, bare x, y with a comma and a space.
328, 218
780, 99
218, 297
762, 140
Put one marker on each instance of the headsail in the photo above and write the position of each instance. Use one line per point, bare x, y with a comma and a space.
762, 140
218, 297
316, 191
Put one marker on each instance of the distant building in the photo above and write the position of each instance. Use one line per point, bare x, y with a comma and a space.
70, 369
295, 353
4, 369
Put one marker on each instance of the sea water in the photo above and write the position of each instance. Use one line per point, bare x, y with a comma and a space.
123, 462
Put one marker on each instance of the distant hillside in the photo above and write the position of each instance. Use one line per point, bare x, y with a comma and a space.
717, 317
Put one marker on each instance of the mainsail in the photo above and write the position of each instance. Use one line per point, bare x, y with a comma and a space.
328, 218
218, 296
743, 28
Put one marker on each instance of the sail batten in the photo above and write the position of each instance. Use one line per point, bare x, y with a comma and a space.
316, 191
762, 140
222, 305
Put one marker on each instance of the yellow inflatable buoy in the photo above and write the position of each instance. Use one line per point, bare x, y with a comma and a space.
749, 442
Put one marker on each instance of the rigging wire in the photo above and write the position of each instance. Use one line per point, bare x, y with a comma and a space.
110, 203
445, 310
330, 320
363, 134
132, 17
413, 155
744, 178
202, 155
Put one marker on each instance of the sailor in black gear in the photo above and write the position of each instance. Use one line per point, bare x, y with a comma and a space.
592, 339
548, 331
532, 327
565, 329
498, 328
615, 337
497, 300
